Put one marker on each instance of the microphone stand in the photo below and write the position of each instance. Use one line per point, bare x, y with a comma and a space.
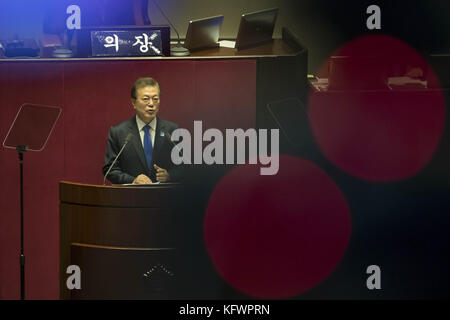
65, 51
178, 50
127, 139
21, 149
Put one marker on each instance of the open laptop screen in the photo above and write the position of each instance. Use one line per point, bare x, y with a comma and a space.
256, 28
203, 33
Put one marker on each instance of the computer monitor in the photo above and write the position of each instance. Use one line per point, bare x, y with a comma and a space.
357, 73
440, 64
203, 33
256, 28
291, 116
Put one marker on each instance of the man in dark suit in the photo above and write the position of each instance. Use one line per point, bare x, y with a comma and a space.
147, 156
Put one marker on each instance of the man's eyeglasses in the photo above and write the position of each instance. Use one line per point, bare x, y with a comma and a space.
147, 99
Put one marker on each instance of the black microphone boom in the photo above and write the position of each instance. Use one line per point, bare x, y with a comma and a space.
127, 139
178, 50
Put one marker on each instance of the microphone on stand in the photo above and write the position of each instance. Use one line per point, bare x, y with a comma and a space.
127, 139
178, 50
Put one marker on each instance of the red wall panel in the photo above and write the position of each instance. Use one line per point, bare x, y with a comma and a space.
223, 93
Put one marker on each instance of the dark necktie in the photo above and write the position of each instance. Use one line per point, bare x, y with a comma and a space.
148, 146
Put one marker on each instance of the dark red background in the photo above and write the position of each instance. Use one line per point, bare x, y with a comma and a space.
94, 95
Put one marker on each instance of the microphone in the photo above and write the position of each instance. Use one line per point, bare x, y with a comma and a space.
178, 50
127, 139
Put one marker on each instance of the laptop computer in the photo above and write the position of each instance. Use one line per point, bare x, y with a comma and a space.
203, 33
256, 28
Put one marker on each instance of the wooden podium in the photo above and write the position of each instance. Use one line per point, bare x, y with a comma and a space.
122, 238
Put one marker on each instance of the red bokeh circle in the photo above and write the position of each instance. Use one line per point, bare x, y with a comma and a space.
280, 235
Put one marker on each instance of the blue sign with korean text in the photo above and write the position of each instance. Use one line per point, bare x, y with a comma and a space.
128, 43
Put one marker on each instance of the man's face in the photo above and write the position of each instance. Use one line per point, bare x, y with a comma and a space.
146, 103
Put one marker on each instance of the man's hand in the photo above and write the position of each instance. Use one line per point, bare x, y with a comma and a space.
161, 174
142, 179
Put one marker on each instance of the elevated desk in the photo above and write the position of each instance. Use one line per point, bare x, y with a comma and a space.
280, 73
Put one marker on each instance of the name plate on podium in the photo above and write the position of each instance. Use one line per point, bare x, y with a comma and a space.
124, 41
